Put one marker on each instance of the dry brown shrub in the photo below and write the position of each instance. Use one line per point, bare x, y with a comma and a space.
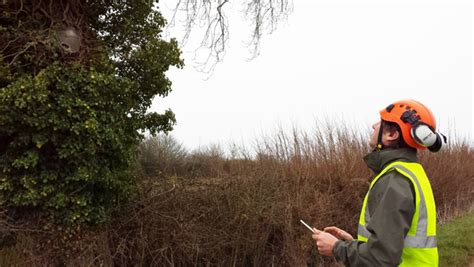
248, 214
452, 178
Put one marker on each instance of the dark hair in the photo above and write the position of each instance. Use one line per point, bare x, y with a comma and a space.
389, 126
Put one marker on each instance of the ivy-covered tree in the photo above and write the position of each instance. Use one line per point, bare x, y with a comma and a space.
76, 80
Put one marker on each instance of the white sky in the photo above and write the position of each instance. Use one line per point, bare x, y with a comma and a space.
331, 58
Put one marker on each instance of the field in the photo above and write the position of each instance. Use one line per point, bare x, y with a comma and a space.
456, 241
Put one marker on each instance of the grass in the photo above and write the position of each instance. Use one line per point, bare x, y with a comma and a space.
456, 241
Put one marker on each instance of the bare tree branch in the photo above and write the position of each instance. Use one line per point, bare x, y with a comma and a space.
210, 15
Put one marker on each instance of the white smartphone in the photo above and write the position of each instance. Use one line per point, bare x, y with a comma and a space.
307, 226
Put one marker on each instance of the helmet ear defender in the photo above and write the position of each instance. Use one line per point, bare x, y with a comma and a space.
422, 133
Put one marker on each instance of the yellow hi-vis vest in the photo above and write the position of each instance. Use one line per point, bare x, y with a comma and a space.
420, 243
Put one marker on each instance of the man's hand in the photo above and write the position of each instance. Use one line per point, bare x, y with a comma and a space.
324, 241
341, 234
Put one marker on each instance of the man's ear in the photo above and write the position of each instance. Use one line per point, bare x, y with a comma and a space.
393, 136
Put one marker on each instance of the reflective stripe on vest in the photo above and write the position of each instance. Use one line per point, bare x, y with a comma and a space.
420, 243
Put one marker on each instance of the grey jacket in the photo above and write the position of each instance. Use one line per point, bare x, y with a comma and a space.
391, 204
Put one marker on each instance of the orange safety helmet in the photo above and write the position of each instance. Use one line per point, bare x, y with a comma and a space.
409, 115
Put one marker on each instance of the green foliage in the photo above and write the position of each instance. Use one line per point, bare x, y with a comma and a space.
71, 123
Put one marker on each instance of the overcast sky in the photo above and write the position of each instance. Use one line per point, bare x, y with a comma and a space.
330, 58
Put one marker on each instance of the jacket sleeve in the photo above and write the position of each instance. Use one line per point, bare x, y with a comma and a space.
391, 204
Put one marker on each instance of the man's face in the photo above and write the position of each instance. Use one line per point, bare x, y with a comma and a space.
387, 136
375, 134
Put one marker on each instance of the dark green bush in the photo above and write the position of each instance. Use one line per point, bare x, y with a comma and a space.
71, 121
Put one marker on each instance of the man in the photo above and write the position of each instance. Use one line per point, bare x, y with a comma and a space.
397, 225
